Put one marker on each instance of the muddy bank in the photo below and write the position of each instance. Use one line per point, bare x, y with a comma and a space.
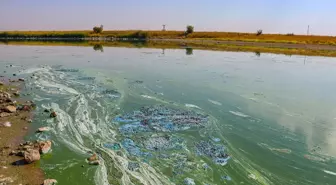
15, 121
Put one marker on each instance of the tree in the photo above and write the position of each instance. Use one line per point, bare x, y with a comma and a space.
259, 32
97, 29
190, 29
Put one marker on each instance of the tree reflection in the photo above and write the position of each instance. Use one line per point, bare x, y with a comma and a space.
189, 51
98, 47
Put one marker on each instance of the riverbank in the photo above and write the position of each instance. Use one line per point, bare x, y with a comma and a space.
15, 124
233, 46
289, 38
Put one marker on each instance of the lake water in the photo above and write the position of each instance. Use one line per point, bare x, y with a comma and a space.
180, 116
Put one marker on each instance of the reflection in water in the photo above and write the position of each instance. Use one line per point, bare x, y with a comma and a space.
98, 47
257, 53
189, 51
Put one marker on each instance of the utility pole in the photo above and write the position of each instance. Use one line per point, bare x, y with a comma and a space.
308, 30
163, 27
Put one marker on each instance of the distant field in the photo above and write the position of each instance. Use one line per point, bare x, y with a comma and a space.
220, 36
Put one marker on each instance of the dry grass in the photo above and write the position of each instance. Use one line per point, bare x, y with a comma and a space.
228, 36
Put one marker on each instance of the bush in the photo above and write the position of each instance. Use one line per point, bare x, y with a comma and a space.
97, 29
290, 34
259, 32
190, 29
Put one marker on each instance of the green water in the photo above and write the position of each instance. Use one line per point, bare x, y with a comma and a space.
274, 114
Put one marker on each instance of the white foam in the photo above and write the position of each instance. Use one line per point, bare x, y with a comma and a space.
329, 172
215, 102
192, 106
148, 97
240, 114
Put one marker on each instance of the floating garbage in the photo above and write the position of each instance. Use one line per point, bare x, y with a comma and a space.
215, 151
160, 118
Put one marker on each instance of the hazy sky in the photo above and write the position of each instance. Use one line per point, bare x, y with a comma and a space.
273, 16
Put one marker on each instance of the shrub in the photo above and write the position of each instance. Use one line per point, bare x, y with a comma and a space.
97, 29
259, 32
190, 29
290, 34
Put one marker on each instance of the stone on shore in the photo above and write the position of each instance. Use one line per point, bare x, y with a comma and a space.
93, 160
31, 155
44, 146
21, 79
7, 124
49, 182
43, 129
4, 114
10, 109
53, 114
94, 157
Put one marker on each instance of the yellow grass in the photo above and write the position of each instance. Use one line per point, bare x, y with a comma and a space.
220, 36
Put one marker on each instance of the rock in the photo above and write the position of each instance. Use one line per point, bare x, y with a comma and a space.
46, 110
94, 157
4, 114
7, 124
6, 180
44, 146
17, 93
1, 83
10, 109
53, 114
29, 120
31, 155
26, 108
94, 162
25, 128
49, 182
14, 74
21, 79
43, 129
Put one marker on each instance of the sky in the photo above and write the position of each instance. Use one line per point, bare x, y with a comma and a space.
272, 16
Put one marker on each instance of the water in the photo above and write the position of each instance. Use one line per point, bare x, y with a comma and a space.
273, 115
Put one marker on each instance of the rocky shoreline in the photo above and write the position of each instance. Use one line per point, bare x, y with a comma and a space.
19, 162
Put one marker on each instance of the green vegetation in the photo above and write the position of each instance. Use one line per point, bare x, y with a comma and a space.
190, 29
97, 29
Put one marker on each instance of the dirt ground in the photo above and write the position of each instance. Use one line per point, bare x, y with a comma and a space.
12, 168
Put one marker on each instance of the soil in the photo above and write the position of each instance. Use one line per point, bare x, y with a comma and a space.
13, 170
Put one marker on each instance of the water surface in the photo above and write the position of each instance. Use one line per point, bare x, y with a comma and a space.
273, 115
